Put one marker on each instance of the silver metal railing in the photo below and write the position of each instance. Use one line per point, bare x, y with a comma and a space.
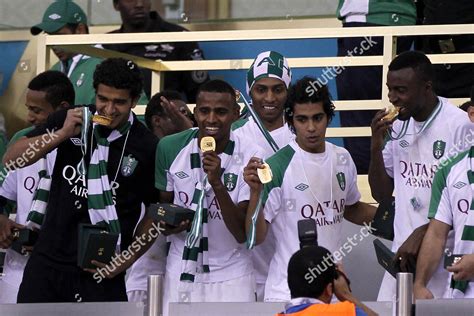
404, 303
154, 304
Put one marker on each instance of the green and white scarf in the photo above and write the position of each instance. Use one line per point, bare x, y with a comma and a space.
196, 246
99, 193
268, 137
100, 203
467, 237
269, 64
40, 200
252, 235
35, 217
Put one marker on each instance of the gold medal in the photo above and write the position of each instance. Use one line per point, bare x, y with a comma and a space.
265, 174
392, 113
208, 143
102, 120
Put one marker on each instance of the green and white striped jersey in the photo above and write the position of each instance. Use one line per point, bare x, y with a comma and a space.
178, 169
412, 161
452, 203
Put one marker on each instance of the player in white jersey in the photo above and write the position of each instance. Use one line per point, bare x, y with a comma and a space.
451, 207
312, 178
47, 92
225, 273
268, 80
428, 130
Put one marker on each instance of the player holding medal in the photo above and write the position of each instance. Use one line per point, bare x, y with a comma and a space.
427, 132
301, 172
201, 169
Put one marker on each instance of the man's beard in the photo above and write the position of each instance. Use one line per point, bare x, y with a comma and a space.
139, 23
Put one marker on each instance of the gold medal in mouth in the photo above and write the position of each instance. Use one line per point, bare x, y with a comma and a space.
208, 143
102, 120
392, 113
265, 174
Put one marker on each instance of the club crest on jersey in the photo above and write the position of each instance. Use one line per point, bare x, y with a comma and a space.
438, 148
129, 164
230, 181
341, 179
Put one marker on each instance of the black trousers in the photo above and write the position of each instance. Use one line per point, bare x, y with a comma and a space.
361, 83
42, 283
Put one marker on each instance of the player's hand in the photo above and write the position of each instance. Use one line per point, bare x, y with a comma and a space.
463, 270
171, 230
211, 163
421, 292
177, 116
73, 123
379, 128
251, 176
7, 227
408, 252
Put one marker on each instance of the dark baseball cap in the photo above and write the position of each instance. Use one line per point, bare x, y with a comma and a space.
57, 15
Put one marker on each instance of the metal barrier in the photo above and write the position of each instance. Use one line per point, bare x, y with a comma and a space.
442, 307
251, 309
404, 300
73, 309
439, 307
154, 305
137, 309
82, 44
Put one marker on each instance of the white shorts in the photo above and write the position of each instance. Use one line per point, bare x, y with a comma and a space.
236, 290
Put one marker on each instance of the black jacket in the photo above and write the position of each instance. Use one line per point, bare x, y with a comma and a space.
186, 82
